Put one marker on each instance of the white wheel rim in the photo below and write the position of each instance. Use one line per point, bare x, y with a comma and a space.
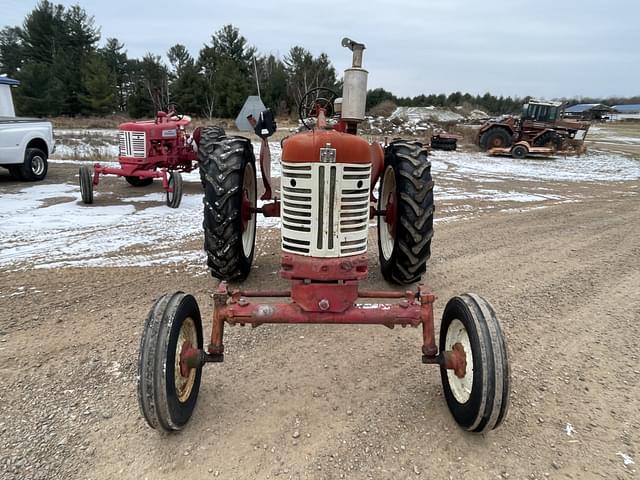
37, 165
249, 186
387, 241
460, 387
184, 385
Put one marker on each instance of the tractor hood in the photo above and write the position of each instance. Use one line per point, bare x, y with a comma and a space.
305, 147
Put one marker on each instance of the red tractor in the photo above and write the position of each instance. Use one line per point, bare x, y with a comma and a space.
327, 187
159, 148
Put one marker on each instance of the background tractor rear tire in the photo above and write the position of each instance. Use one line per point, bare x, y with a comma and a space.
229, 167
479, 401
86, 184
549, 138
166, 398
495, 137
175, 182
208, 135
139, 181
404, 254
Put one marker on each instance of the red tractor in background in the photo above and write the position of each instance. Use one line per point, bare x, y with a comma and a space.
159, 148
327, 189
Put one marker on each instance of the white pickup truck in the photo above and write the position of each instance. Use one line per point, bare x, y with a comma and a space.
25, 143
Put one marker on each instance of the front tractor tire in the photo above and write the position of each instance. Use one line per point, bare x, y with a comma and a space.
495, 137
229, 168
86, 184
166, 397
479, 398
174, 193
405, 221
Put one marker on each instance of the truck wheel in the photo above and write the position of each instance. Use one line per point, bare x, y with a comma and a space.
35, 165
86, 184
207, 135
167, 398
519, 152
175, 183
139, 181
479, 400
230, 194
495, 138
406, 228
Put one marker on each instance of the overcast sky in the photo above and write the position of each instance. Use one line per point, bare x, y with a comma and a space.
546, 48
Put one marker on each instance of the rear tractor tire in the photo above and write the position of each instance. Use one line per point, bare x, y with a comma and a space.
208, 135
478, 400
495, 137
229, 167
139, 181
406, 198
550, 139
86, 184
174, 197
166, 397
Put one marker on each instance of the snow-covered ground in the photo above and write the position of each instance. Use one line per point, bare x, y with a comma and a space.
47, 226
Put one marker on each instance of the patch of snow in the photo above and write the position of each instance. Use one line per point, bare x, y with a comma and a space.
73, 234
592, 167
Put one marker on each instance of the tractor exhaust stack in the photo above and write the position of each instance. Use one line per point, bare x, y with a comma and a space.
354, 91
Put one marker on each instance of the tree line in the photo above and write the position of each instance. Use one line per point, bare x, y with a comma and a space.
63, 71
55, 54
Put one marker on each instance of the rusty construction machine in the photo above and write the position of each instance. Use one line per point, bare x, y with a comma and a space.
540, 126
328, 187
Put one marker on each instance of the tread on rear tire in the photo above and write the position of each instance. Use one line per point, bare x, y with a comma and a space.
224, 162
406, 260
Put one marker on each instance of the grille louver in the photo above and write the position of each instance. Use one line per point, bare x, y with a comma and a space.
325, 208
133, 144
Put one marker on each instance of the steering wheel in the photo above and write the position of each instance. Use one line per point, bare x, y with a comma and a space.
313, 101
173, 112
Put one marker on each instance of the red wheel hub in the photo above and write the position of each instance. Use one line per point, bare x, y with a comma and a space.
245, 210
456, 360
391, 213
186, 352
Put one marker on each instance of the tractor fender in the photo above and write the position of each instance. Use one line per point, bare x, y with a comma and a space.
377, 163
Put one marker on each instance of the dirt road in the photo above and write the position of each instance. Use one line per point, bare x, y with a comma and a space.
346, 402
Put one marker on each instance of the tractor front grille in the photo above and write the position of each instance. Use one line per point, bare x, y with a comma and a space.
325, 208
133, 144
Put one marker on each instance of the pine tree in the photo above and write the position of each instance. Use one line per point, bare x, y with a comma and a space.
41, 93
11, 50
116, 61
98, 82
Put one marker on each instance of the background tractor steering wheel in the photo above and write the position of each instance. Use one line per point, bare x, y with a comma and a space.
312, 101
173, 112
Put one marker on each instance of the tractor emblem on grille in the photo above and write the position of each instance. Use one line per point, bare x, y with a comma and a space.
328, 154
